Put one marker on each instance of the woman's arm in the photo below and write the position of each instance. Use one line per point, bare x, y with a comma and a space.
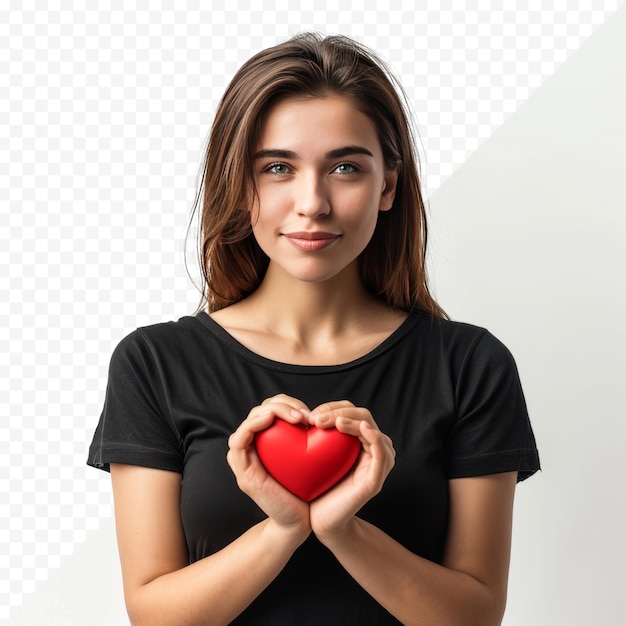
469, 588
160, 587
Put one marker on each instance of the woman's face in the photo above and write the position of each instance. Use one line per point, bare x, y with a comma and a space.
321, 182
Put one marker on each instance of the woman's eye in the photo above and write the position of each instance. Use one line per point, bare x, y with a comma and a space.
277, 168
346, 168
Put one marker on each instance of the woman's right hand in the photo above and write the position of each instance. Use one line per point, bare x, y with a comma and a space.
286, 510
159, 583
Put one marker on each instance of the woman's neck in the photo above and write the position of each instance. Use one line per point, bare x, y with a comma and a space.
334, 304
293, 321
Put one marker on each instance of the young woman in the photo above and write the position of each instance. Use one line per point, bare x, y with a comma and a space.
315, 311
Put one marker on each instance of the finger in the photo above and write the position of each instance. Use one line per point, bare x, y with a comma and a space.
374, 442
248, 470
262, 417
328, 407
348, 411
374, 435
349, 426
284, 398
255, 422
325, 415
239, 461
284, 410
379, 445
297, 405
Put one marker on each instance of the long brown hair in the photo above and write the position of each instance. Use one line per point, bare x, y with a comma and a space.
393, 265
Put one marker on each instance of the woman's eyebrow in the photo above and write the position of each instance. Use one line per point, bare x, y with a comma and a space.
342, 152
276, 154
337, 153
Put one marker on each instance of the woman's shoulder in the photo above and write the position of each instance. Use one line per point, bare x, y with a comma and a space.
443, 327
458, 336
185, 333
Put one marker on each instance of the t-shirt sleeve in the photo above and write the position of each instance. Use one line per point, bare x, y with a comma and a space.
492, 433
135, 426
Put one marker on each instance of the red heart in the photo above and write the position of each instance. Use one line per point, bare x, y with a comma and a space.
306, 460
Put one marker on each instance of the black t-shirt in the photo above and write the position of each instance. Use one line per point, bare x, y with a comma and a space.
448, 394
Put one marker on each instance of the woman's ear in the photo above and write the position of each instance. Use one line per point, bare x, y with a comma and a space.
388, 192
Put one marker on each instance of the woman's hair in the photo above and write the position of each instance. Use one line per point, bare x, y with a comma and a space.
393, 265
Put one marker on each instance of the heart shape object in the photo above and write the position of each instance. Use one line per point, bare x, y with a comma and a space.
306, 460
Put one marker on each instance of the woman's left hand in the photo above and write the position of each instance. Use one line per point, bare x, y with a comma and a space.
333, 511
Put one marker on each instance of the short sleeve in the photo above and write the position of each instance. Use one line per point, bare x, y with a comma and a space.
135, 426
492, 432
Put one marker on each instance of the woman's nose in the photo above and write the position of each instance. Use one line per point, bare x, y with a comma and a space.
311, 197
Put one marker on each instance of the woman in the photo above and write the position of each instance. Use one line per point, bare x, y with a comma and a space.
315, 311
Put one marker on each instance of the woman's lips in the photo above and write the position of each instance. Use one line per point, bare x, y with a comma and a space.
311, 241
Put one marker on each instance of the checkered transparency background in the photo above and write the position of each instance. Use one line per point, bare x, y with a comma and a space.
103, 118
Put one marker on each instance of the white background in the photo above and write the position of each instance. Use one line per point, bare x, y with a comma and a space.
520, 108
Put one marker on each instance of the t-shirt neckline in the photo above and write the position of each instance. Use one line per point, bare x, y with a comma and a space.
225, 337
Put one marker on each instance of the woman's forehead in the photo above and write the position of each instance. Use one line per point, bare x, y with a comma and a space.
326, 122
